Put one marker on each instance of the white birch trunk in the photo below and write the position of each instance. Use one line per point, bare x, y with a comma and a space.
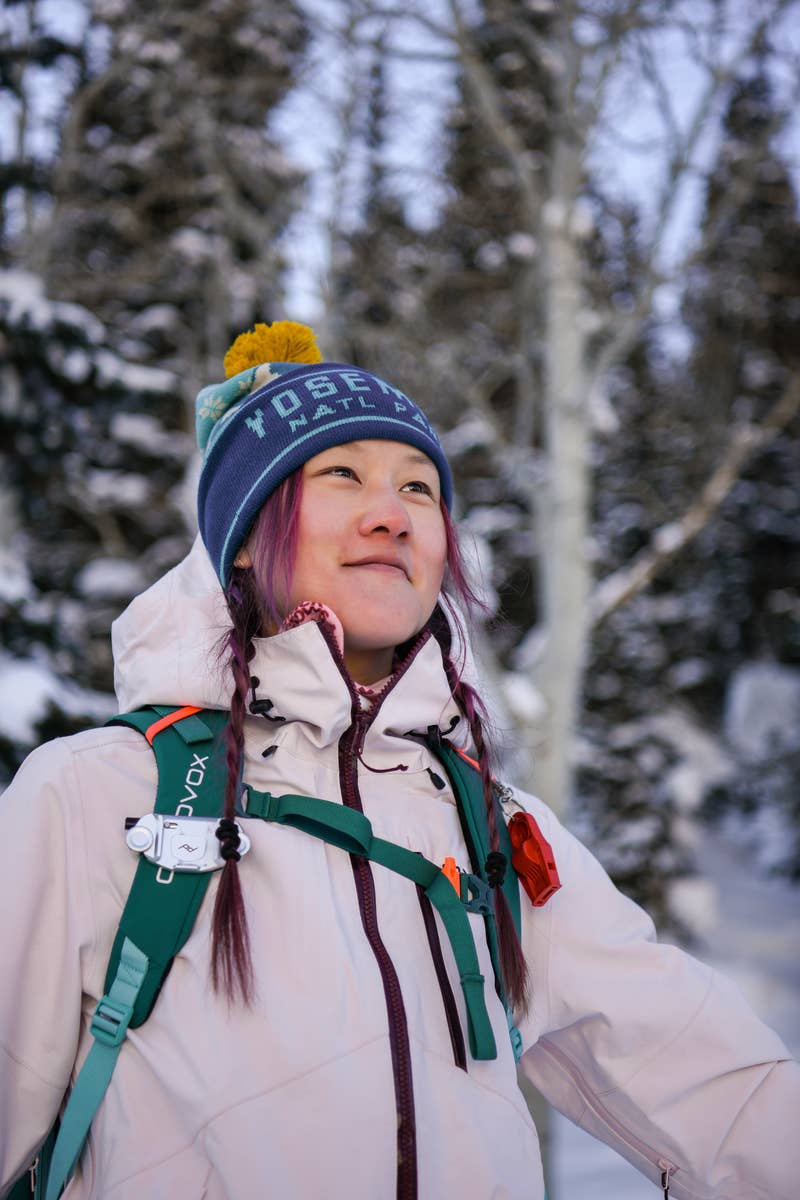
563, 509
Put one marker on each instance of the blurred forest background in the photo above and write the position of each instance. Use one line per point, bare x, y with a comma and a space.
569, 230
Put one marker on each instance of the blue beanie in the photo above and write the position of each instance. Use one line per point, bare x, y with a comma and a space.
253, 439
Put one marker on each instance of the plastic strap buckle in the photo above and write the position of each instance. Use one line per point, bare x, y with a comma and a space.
110, 1021
476, 895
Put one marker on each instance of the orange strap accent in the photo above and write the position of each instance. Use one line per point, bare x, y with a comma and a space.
170, 719
472, 762
451, 871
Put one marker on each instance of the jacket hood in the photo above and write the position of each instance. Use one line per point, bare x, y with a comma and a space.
166, 643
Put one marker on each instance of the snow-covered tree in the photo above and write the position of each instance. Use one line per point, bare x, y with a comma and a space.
93, 450
170, 193
537, 317
142, 201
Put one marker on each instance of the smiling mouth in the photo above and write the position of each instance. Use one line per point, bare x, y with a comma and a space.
381, 566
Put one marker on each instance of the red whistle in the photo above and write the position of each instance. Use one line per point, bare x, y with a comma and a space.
532, 859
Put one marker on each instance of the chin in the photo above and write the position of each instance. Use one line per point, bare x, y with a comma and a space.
390, 636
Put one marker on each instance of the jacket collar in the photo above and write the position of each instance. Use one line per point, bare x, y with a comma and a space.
300, 672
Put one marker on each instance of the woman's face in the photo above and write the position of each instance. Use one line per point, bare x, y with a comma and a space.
371, 546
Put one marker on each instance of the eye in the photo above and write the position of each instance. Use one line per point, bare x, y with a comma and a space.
419, 486
341, 472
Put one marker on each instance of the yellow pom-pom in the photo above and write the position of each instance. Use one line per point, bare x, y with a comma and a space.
282, 341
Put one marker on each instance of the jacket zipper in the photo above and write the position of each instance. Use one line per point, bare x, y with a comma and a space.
448, 999
350, 744
666, 1168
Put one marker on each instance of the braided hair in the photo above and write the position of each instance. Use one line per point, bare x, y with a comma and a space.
255, 603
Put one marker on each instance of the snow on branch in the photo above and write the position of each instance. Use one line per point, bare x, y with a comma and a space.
621, 586
683, 147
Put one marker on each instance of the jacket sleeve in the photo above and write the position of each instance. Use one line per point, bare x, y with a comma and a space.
648, 1049
47, 930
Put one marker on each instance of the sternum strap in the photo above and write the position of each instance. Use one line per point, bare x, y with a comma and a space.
352, 831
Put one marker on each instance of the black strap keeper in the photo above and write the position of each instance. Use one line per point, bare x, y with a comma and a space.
495, 868
228, 835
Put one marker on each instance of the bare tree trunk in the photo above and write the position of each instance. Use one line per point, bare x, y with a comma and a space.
562, 513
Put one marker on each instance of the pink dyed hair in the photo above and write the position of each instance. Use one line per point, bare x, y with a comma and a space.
253, 597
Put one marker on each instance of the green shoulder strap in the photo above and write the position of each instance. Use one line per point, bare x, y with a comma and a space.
157, 919
162, 905
465, 780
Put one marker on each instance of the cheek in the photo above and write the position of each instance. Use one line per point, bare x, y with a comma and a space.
309, 575
436, 558
315, 536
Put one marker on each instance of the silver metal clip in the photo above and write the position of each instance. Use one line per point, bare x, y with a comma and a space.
181, 843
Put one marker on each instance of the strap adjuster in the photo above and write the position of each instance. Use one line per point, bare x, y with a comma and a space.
476, 895
109, 1024
473, 892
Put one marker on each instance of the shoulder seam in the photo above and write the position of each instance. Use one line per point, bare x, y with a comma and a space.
114, 733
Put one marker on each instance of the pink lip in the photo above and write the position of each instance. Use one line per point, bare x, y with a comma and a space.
382, 564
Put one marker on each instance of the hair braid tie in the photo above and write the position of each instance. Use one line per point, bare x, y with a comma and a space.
229, 840
495, 868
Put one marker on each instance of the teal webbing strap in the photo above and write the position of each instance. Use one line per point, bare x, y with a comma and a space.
450, 906
344, 827
443, 896
468, 790
351, 831
109, 1028
162, 906
158, 917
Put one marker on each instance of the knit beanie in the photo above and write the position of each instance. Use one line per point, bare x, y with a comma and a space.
279, 406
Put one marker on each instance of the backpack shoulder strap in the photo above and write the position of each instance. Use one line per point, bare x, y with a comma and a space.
162, 905
465, 780
157, 919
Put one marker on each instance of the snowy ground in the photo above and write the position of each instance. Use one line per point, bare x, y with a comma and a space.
754, 940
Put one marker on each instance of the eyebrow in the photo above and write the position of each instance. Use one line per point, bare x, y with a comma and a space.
418, 457
412, 456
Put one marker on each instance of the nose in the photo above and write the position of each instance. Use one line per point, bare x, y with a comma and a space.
384, 512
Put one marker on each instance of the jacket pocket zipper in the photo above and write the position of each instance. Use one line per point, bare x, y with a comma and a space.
666, 1168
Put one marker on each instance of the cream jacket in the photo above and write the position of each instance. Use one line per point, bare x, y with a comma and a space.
343, 1079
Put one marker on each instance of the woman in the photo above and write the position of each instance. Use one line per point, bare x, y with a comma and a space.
309, 1040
